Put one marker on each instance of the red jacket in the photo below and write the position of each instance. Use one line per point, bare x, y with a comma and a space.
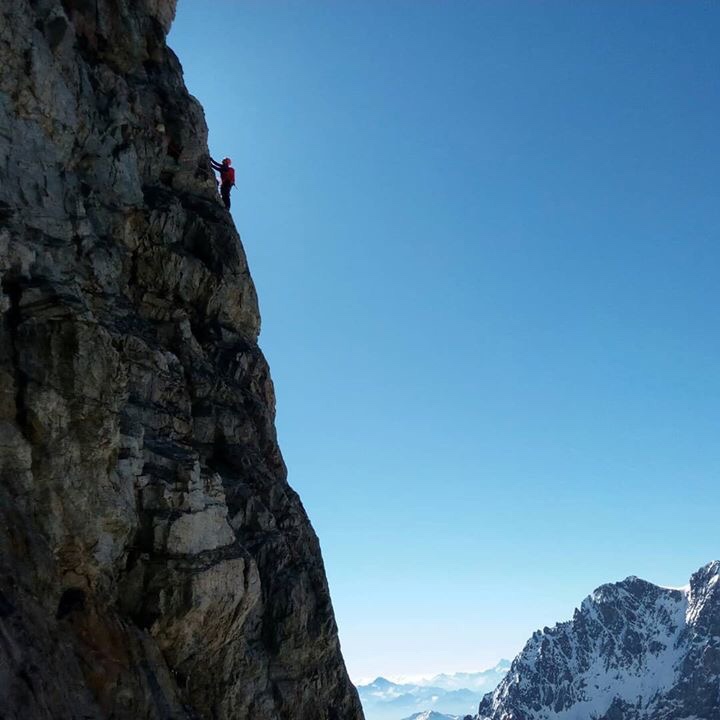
227, 175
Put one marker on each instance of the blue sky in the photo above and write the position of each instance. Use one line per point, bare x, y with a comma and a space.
486, 240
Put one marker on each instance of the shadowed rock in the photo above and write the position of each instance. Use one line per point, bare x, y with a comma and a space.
154, 562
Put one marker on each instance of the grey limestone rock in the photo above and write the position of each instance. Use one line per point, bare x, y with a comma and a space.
154, 562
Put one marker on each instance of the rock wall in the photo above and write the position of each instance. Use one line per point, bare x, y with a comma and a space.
154, 562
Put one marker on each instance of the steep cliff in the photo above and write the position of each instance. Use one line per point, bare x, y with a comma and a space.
633, 651
154, 562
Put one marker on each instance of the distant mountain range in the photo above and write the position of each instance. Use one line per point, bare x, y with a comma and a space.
633, 651
443, 696
432, 715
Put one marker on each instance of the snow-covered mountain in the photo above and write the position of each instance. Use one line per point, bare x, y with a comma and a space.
481, 681
633, 651
432, 715
451, 695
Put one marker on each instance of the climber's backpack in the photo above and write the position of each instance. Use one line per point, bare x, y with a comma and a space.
227, 176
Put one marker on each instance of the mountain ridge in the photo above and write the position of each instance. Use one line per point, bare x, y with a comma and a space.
452, 694
632, 651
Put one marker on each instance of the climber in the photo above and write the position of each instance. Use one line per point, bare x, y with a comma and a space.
227, 178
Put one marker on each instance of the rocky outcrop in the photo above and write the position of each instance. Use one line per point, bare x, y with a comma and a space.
154, 562
633, 651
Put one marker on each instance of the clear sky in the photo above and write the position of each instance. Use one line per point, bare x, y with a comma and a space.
486, 241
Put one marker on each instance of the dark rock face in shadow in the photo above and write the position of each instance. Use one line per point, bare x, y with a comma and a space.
154, 562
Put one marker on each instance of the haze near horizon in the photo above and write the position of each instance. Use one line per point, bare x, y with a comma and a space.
485, 242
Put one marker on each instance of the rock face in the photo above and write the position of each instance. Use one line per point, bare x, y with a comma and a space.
633, 651
154, 562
